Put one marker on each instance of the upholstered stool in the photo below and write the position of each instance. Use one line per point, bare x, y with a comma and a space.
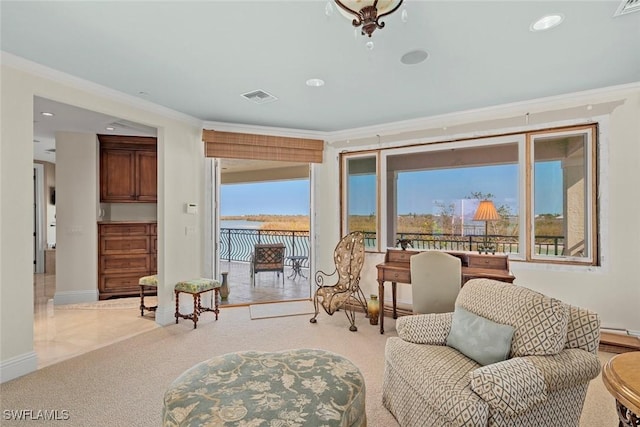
196, 287
145, 283
294, 387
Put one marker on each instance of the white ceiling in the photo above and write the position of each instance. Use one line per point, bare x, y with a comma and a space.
198, 57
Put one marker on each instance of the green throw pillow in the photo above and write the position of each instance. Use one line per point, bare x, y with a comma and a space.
478, 338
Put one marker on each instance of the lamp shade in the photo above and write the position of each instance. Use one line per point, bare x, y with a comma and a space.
486, 212
383, 6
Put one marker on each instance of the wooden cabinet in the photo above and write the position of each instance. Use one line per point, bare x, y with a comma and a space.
127, 251
128, 169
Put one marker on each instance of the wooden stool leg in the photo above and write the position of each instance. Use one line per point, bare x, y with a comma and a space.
216, 294
141, 300
177, 305
196, 304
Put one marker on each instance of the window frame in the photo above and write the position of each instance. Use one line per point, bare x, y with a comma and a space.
525, 140
592, 208
344, 193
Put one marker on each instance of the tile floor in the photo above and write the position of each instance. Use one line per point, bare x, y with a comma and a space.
61, 333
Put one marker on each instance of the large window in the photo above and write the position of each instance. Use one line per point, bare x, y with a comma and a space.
362, 197
563, 185
540, 187
434, 196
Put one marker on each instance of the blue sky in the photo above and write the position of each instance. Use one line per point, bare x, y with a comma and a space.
270, 198
420, 191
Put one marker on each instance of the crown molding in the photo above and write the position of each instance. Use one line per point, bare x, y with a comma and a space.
449, 119
22, 64
389, 128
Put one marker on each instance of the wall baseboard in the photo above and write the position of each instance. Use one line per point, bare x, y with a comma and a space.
18, 366
75, 297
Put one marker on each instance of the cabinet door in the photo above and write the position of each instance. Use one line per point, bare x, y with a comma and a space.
147, 176
117, 176
116, 245
115, 264
119, 285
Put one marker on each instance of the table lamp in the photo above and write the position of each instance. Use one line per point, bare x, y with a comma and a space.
486, 212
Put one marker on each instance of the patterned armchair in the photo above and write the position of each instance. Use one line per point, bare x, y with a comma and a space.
543, 381
348, 257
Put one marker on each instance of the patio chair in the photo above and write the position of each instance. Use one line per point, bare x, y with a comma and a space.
348, 257
267, 257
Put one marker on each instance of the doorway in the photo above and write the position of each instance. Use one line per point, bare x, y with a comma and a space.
77, 323
263, 203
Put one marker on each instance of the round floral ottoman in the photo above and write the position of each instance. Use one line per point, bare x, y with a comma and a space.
302, 387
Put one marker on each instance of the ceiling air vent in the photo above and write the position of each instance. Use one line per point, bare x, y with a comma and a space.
259, 96
627, 6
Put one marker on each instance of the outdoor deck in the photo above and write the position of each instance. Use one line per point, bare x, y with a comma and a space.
268, 286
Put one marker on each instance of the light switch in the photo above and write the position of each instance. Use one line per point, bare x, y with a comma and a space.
192, 208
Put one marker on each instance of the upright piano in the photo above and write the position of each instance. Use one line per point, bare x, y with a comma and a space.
396, 269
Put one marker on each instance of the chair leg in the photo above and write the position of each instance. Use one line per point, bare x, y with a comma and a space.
350, 311
317, 309
362, 300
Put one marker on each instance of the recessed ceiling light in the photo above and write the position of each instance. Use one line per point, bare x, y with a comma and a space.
110, 128
414, 57
315, 82
547, 22
48, 114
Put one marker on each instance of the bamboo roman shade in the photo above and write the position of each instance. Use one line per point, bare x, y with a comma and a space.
232, 145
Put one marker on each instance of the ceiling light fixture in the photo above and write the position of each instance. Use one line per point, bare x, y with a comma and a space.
547, 22
315, 82
367, 13
48, 114
110, 128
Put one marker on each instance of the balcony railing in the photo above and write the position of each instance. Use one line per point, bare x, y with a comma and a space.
544, 245
236, 244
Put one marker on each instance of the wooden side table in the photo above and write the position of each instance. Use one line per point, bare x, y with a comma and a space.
621, 376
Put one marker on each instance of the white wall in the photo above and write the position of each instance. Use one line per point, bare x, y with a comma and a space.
180, 179
77, 230
612, 290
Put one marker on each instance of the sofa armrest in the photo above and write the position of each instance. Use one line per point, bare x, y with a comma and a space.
516, 385
431, 329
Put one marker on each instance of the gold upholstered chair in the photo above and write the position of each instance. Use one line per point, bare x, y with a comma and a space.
345, 293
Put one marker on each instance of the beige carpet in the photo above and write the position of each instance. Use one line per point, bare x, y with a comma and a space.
123, 384
280, 309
